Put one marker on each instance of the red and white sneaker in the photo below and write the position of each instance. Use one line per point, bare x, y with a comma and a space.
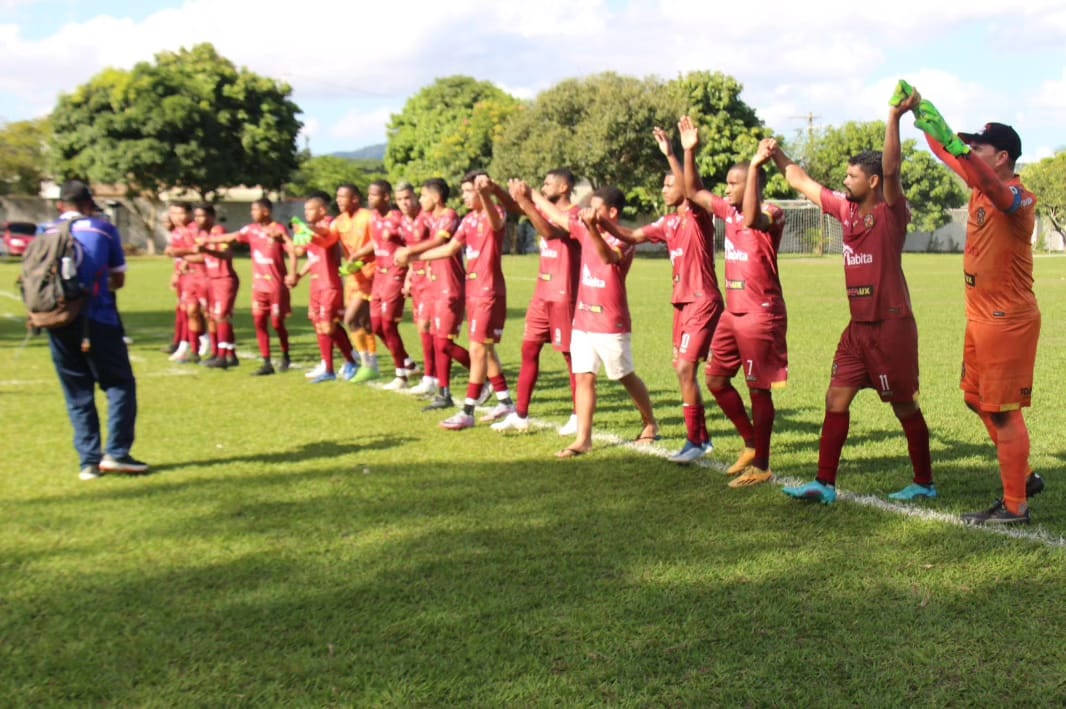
458, 422
500, 411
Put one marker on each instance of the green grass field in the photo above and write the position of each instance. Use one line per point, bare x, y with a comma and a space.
331, 546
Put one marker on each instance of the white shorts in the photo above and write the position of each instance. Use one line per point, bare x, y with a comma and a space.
589, 350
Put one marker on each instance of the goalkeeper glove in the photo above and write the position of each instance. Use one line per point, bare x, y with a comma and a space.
903, 92
349, 267
301, 233
930, 121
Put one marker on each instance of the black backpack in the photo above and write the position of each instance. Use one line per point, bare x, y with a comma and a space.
49, 278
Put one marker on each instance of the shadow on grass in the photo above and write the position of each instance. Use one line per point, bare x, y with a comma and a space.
519, 584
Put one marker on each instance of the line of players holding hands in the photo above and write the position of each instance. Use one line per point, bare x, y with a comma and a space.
364, 263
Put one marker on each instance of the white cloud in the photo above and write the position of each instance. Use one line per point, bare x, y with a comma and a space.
793, 61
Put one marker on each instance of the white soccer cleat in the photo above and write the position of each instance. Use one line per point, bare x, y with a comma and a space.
427, 387
513, 422
316, 371
500, 411
205, 345
570, 427
397, 384
183, 349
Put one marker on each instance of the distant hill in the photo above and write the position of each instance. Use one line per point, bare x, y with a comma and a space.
370, 152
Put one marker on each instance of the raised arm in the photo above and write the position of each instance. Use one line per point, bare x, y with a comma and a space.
630, 236
556, 215
690, 140
485, 189
605, 252
521, 195
892, 156
797, 177
667, 149
752, 205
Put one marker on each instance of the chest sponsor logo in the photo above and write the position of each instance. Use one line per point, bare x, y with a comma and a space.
587, 279
546, 250
860, 291
732, 253
675, 254
971, 279
856, 258
261, 258
472, 253
734, 284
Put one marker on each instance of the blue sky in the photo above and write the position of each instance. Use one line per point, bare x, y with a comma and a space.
352, 65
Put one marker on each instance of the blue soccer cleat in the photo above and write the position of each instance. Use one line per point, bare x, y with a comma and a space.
814, 490
913, 492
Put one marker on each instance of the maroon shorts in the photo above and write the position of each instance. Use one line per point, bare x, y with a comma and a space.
694, 326
447, 317
326, 306
879, 355
754, 342
421, 304
193, 290
549, 321
387, 309
223, 296
276, 302
486, 317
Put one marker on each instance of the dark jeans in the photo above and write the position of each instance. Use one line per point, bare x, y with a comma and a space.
107, 363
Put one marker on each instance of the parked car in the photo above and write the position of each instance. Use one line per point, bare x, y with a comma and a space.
17, 236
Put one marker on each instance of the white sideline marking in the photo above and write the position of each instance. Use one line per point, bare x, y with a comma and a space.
9, 294
1039, 536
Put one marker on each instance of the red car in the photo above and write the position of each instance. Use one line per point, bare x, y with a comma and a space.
17, 236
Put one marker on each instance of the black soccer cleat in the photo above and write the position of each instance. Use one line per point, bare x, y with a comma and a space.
439, 403
997, 514
265, 369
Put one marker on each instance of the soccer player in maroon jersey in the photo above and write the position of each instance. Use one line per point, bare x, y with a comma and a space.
751, 335
446, 290
192, 281
386, 299
222, 285
481, 234
327, 301
601, 335
689, 237
879, 347
415, 228
270, 248
550, 315
176, 235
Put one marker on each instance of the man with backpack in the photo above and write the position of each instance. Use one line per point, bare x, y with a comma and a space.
85, 335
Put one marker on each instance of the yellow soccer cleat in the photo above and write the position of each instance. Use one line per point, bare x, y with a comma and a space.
751, 476
746, 456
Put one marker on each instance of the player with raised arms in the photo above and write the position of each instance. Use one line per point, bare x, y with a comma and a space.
879, 347
1002, 316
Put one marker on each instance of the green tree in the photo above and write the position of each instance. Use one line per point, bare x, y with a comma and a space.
190, 119
730, 129
600, 127
931, 188
326, 172
1047, 180
446, 129
23, 156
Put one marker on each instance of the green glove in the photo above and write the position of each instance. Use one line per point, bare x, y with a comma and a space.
930, 121
903, 92
301, 233
349, 267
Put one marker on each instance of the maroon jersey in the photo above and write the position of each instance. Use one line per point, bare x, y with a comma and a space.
218, 267
873, 257
601, 289
484, 254
560, 263
268, 256
689, 237
324, 256
183, 237
752, 281
386, 234
416, 230
447, 276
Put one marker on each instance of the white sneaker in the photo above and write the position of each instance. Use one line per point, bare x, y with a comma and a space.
513, 422
316, 371
183, 349
570, 427
89, 472
500, 411
427, 387
205, 345
397, 384
127, 339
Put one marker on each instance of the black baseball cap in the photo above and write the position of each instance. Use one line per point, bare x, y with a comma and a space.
999, 135
75, 192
